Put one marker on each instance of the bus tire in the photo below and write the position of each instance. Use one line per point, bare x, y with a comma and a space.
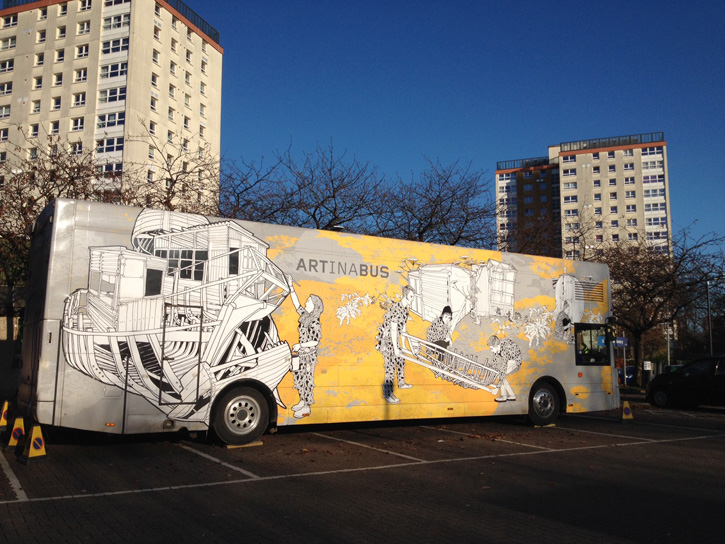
241, 416
543, 404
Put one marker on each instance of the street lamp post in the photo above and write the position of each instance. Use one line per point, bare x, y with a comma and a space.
709, 317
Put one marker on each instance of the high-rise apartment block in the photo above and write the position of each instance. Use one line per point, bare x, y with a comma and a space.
585, 195
106, 75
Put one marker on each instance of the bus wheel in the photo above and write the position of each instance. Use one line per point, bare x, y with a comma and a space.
241, 416
543, 404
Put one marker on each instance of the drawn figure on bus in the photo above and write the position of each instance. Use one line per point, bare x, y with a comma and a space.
304, 353
389, 343
563, 327
506, 360
439, 333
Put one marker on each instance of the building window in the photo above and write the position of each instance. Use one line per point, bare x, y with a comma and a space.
629, 167
60, 55
37, 83
111, 120
597, 183
76, 148
84, 27
6, 66
60, 32
77, 124
202, 131
612, 209
599, 238
615, 223
173, 45
595, 156
81, 75
597, 211
153, 104
112, 95
58, 79
569, 172
653, 179
631, 208
612, 168
651, 151
54, 127
39, 59
155, 56
35, 106
114, 70
157, 33
595, 170
152, 127
188, 56
202, 88
117, 21
150, 176
79, 99
55, 103
172, 68
186, 122
6, 88
33, 153
63, 9
571, 213
632, 236
631, 222
4, 134
613, 182
10, 20
202, 112
598, 225
85, 5
612, 196
109, 3
151, 152
630, 194
652, 165
172, 91
155, 80
109, 145
570, 199
170, 136
82, 51
171, 114
203, 67
628, 153
41, 36
187, 101
629, 181
7, 43
203, 46
114, 46
597, 197
615, 237
187, 78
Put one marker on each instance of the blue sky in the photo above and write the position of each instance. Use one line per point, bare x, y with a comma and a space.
391, 82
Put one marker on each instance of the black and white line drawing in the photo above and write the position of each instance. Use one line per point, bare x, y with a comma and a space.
184, 312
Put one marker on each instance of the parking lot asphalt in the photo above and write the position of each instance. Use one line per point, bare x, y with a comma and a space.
589, 478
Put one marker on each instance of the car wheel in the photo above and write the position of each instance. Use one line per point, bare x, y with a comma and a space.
661, 398
241, 416
543, 404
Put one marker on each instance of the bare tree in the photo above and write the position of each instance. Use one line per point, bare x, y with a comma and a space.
448, 204
180, 174
31, 177
322, 190
652, 287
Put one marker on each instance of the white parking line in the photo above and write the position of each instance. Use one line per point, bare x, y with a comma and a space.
368, 447
20, 495
606, 434
254, 478
212, 458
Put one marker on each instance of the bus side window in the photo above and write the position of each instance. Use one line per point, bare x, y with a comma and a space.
592, 344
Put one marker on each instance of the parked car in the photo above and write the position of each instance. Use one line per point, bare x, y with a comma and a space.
630, 376
700, 382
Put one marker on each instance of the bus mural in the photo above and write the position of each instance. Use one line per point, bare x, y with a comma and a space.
201, 323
